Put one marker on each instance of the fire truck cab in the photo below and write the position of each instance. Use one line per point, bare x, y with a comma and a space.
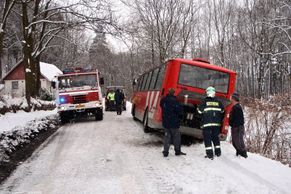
78, 93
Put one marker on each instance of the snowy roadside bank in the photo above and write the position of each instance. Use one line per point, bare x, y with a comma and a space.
268, 127
21, 134
9, 104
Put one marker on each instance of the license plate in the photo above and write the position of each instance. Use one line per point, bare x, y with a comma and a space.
80, 106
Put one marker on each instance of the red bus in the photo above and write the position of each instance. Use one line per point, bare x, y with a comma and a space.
189, 78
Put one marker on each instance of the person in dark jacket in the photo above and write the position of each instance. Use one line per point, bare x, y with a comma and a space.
236, 121
171, 115
212, 112
119, 98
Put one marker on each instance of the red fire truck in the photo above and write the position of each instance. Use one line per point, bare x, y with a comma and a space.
189, 78
78, 92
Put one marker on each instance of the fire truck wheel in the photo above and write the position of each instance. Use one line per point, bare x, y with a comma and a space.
146, 128
99, 115
64, 118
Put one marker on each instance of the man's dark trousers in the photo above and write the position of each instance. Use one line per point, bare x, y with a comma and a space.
237, 134
119, 108
172, 135
211, 134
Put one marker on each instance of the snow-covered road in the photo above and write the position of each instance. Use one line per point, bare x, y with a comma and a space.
115, 156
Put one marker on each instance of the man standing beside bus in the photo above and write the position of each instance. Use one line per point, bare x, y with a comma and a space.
236, 121
212, 111
171, 115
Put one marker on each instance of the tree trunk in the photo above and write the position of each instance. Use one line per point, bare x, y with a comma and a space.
37, 77
1, 53
29, 67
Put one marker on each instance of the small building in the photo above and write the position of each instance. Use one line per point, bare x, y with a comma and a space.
14, 80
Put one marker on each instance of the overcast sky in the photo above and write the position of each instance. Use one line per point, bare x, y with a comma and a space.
122, 14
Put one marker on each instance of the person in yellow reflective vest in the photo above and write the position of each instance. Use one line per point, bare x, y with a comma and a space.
212, 112
111, 99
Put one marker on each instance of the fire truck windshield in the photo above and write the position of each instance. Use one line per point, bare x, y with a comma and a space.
198, 77
72, 81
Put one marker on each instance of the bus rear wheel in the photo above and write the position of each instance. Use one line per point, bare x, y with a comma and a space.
146, 127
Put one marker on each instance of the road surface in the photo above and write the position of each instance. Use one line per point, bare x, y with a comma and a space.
115, 156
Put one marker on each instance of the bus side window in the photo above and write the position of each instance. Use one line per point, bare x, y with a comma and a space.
154, 79
149, 80
145, 78
140, 83
160, 78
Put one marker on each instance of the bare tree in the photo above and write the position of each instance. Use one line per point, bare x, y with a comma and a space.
45, 23
6, 9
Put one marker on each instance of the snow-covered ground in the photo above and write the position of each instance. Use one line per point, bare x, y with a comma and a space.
18, 128
9, 121
115, 156
1, 87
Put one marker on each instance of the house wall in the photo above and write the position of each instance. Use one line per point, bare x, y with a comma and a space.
20, 92
14, 92
46, 85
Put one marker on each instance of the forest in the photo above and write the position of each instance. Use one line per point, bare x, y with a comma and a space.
251, 37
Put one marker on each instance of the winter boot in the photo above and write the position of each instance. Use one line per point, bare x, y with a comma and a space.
244, 154
209, 154
210, 157
180, 153
165, 154
217, 152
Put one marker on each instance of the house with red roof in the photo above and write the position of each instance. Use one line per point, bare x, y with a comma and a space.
14, 80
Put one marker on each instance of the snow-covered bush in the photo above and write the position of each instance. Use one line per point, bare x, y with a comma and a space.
268, 127
45, 95
9, 104
17, 137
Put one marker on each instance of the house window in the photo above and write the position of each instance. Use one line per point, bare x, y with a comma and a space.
14, 85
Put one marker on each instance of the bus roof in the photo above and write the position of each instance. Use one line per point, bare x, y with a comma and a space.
203, 65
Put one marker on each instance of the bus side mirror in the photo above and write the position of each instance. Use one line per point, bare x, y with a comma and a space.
134, 82
53, 84
101, 81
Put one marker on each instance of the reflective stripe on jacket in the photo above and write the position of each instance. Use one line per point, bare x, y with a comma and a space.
212, 112
111, 96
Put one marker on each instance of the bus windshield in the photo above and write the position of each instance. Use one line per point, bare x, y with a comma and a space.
77, 81
198, 77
